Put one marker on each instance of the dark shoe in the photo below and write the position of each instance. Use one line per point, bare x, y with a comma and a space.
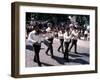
39, 65
35, 60
52, 56
76, 52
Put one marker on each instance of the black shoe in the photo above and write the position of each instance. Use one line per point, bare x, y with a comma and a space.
52, 56
76, 52
35, 60
39, 64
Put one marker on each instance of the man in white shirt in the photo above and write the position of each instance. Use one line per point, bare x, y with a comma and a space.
74, 39
35, 38
67, 39
61, 37
49, 40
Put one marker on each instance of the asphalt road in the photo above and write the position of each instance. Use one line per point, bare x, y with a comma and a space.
81, 58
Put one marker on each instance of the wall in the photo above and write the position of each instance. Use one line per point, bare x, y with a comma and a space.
5, 40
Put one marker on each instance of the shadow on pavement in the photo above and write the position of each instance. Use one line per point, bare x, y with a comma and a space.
79, 54
81, 61
29, 47
85, 54
59, 59
74, 55
46, 64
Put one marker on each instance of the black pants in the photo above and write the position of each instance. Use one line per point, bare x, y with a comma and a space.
36, 56
66, 53
61, 45
74, 43
50, 47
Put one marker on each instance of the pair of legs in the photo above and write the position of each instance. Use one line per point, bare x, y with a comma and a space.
66, 53
61, 45
74, 43
50, 48
36, 56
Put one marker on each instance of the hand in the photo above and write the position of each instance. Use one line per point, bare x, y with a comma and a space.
49, 41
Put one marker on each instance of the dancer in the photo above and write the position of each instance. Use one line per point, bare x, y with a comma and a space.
61, 37
67, 39
49, 39
74, 39
34, 37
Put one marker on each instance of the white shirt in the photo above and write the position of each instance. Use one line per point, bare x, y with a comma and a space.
66, 37
60, 35
49, 35
33, 37
74, 35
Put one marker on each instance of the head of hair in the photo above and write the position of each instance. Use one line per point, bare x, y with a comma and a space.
37, 29
67, 29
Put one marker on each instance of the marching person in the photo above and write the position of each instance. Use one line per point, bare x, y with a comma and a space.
34, 37
49, 39
67, 39
61, 37
74, 39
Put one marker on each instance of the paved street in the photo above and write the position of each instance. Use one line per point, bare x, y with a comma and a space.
74, 59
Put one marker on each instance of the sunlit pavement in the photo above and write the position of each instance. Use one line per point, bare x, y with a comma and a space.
81, 58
